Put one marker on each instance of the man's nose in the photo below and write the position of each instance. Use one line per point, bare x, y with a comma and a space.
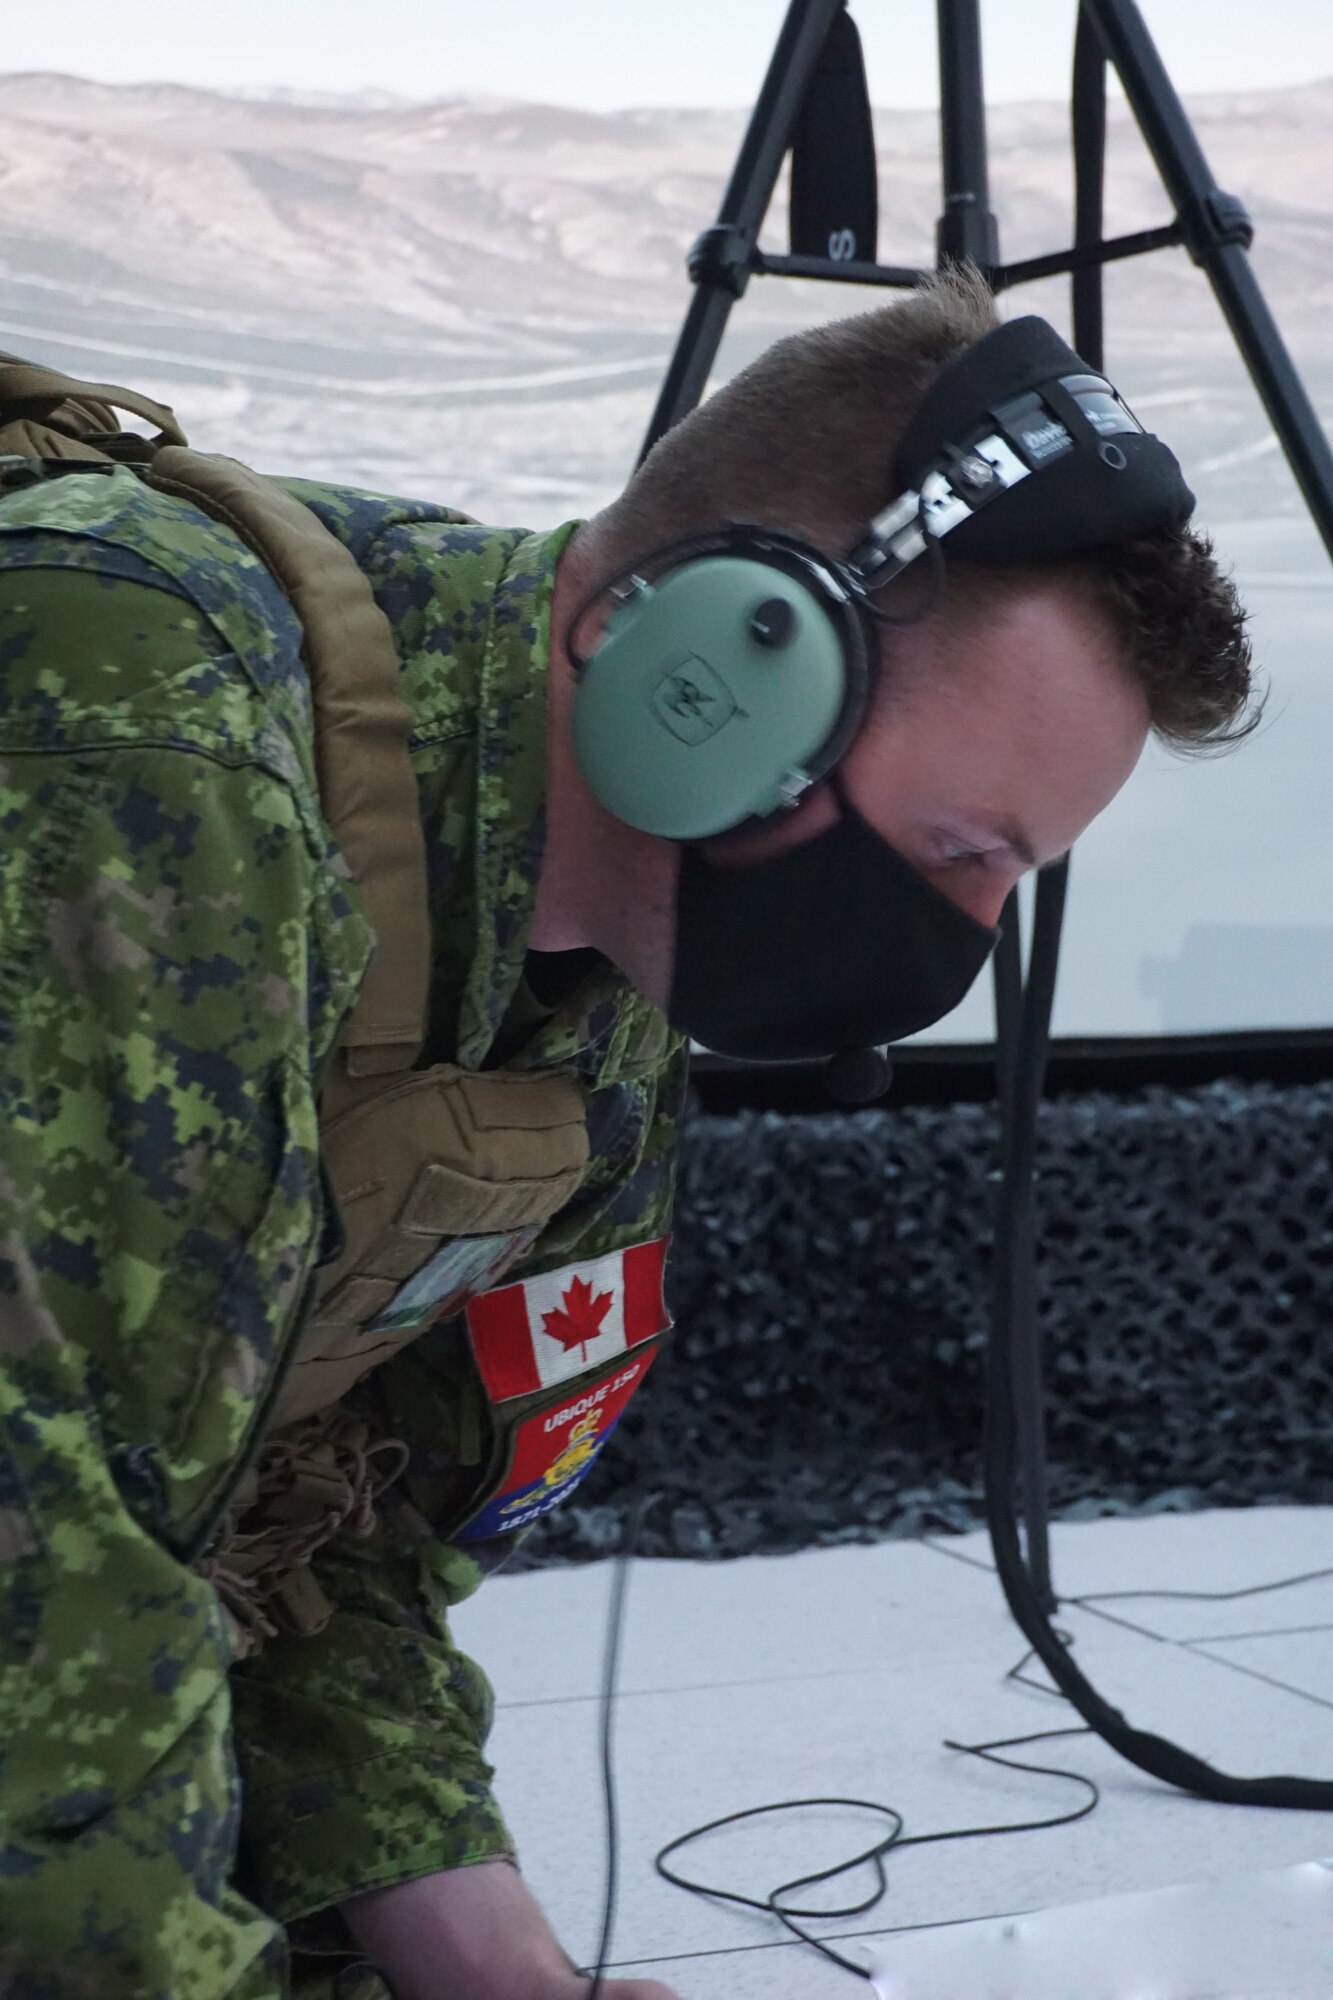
978, 892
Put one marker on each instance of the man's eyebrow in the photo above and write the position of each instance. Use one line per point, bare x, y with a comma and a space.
984, 830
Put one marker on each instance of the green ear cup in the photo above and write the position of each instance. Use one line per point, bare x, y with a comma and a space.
705, 697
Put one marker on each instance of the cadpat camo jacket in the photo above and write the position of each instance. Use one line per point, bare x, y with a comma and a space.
179, 943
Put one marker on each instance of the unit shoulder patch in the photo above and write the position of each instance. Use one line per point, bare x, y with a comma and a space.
555, 1449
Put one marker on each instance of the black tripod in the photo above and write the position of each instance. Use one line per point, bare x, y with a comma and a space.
814, 103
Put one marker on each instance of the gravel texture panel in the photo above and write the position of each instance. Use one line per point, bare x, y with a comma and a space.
830, 1287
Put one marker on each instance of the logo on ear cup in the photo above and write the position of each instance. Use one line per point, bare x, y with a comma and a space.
693, 701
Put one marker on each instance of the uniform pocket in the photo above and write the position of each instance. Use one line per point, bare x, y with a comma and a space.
442, 1179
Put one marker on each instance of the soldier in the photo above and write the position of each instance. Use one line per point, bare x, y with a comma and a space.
333, 1211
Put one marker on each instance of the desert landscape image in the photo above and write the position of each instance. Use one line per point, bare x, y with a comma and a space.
475, 299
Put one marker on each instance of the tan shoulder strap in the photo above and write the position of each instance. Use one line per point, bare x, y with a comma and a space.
367, 787
60, 412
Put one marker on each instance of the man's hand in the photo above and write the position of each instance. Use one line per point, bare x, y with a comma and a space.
473, 1934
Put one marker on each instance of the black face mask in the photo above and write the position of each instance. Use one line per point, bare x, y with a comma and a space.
837, 944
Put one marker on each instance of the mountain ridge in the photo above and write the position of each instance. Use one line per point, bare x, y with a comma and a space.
415, 288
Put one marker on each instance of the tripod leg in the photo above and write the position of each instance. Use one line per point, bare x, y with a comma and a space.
1089, 135
1216, 235
967, 231
719, 263
696, 350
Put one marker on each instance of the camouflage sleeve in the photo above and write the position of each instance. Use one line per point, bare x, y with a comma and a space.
160, 941
362, 1746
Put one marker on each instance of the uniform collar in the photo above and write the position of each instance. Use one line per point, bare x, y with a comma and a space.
604, 1029
510, 808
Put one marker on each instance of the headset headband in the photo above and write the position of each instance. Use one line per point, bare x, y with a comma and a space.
1019, 401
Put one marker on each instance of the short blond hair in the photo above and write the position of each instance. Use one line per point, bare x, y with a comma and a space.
804, 438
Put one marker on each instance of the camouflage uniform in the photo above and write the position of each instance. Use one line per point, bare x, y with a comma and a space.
179, 944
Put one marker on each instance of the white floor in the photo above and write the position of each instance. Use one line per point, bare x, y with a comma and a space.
839, 1673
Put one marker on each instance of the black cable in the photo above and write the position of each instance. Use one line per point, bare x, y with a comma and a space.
1203, 1596
1022, 1679
769, 1904
774, 1904
874, 1855
615, 1632
1014, 1236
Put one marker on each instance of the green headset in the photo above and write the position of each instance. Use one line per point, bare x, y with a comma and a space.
733, 671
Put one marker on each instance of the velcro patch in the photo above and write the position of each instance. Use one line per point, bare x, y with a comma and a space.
554, 1450
546, 1330
460, 1267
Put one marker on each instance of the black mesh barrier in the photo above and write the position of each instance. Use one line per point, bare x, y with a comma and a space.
829, 1283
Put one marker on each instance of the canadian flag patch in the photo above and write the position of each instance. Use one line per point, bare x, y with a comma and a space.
545, 1330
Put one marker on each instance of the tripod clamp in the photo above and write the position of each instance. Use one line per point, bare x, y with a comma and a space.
1212, 222
722, 256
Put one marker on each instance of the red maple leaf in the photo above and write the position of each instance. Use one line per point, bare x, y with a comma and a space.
578, 1318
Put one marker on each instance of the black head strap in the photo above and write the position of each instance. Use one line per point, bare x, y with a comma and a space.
1097, 478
